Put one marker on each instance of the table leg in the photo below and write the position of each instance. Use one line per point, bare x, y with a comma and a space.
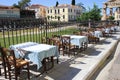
57, 60
44, 64
52, 60
0, 71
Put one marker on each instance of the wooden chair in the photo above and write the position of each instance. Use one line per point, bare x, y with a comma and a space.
3, 64
84, 46
45, 40
56, 42
55, 36
0, 65
106, 34
92, 39
77, 33
13, 64
50, 41
68, 48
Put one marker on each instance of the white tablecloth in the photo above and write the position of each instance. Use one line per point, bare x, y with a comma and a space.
37, 52
98, 33
77, 40
107, 30
117, 28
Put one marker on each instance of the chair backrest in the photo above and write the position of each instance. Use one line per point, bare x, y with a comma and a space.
55, 36
55, 42
45, 40
2, 55
66, 42
3, 61
11, 62
8, 57
77, 33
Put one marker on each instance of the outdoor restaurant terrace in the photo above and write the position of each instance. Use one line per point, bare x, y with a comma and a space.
56, 50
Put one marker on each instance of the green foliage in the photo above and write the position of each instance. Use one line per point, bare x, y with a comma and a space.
16, 6
73, 2
57, 3
111, 18
92, 14
84, 17
22, 4
95, 13
82, 6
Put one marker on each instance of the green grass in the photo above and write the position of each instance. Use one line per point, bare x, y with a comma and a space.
31, 37
18, 31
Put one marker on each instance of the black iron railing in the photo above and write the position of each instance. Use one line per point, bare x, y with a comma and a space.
14, 31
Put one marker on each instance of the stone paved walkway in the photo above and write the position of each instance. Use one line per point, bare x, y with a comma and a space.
114, 72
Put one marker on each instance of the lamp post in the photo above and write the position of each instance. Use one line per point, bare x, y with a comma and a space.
89, 23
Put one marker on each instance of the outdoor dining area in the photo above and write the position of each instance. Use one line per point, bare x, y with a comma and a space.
20, 56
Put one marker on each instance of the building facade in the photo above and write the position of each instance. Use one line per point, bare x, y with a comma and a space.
40, 10
112, 5
9, 12
117, 14
63, 12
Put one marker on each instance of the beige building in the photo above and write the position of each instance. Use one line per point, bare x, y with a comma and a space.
117, 14
111, 5
9, 12
63, 12
40, 10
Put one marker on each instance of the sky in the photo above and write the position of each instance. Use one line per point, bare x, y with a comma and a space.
87, 3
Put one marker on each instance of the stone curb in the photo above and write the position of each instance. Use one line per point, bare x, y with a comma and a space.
101, 60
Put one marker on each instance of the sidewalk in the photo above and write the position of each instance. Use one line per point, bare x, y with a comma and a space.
112, 70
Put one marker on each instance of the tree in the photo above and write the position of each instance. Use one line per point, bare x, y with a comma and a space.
83, 17
111, 18
92, 14
22, 4
81, 5
57, 3
73, 2
16, 6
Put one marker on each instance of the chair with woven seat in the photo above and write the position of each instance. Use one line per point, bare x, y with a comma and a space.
13, 64
68, 48
0, 65
3, 64
55, 42
93, 39
45, 40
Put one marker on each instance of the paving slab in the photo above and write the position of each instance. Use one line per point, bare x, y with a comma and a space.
114, 71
